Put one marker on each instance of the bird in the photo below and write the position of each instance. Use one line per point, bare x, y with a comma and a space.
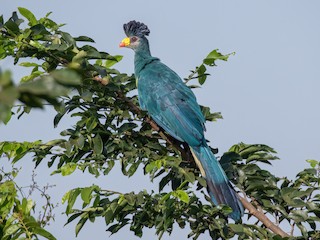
173, 106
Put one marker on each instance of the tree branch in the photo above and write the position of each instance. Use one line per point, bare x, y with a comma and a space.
262, 217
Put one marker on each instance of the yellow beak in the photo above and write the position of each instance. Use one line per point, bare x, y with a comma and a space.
125, 42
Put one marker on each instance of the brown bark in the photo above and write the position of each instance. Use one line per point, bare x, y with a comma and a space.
262, 217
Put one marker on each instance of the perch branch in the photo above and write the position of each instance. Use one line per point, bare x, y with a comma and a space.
262, 217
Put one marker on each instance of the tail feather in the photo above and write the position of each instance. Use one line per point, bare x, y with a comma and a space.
219, 187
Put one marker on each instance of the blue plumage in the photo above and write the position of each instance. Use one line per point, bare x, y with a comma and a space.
174, 107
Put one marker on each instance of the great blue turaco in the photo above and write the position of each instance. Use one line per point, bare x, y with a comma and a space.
173, 106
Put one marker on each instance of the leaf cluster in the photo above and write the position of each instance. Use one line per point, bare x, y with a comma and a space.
110, 130
16, 220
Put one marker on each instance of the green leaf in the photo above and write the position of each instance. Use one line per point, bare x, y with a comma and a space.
26, 205
86, 194
65, 197
153, 165
67, 77
57, 119
80, 141
225, 209
92, 53
79, 56
80, 225
209, 116
39, 31
127, 126
12, 27
68, 38
28, 64
228, 158
313, 163
109, 216
237, 228
113, 60
68, 168
190, 177
91, 123
8, 96
202, 181
73, 217
133, 168
42, 232
11, 230
130, 198
87, 96
109, 168
32, 76
16, 19
84, 39
37, 45
28, 15
97, 144
182, 195
6, 116
202, 76
298, 215
215, 55
71, 197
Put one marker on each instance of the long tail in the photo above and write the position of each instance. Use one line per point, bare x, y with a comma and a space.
220, 189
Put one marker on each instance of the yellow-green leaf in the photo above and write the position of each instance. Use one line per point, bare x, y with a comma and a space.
182, 195
86, 194
68, 168
28, 15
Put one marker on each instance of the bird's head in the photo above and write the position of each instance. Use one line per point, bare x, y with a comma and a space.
136, 33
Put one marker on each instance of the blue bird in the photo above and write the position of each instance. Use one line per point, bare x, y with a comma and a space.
174, 107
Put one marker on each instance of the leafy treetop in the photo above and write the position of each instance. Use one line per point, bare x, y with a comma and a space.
79, 81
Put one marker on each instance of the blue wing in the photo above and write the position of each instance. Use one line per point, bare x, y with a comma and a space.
171, 103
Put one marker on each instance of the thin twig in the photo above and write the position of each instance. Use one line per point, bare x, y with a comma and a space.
12, 179
20, 219
292, 228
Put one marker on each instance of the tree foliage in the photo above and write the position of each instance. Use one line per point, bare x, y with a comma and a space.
80, 81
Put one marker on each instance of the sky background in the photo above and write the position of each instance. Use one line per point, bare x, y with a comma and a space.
268, 92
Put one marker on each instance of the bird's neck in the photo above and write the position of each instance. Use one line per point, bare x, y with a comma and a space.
142, 57
140, 60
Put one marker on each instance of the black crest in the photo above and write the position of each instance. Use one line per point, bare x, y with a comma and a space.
134, 28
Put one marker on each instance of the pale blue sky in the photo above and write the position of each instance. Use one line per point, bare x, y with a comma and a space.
267, 93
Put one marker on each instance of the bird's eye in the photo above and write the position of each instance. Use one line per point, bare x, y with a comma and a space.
133, 39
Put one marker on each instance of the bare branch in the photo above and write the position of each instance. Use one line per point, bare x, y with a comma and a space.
262, 217
292, 228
